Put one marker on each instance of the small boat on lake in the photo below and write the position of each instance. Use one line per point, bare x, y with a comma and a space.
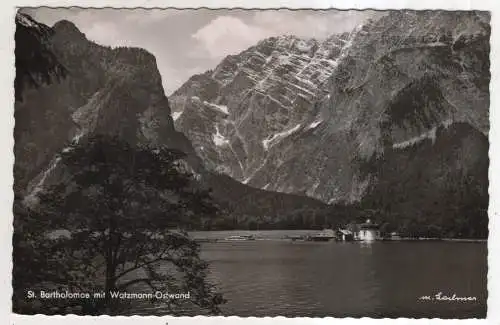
240, 238
206, 240
295, 238
325, 235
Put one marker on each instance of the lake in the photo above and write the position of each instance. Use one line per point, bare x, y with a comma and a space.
273, 277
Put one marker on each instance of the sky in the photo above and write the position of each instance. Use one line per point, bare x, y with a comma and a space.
190, 41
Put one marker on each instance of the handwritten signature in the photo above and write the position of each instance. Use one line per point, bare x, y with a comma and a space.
442, 297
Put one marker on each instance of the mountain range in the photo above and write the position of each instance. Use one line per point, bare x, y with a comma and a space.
298, 115
85, 89
392, 116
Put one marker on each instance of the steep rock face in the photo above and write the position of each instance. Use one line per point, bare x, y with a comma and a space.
302, 116
235, 114
424, 70
35, 63
103, 91
122, 90
440, 179
38, 133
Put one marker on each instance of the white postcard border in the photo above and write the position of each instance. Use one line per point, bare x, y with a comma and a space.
7, 27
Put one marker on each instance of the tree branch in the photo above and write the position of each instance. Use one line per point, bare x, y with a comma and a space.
131, 282
143, 265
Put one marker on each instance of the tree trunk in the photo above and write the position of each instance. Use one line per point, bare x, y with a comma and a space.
110, 282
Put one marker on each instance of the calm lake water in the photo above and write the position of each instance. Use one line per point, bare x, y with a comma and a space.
272, 277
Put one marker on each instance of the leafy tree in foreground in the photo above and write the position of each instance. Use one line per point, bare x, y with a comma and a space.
118, 208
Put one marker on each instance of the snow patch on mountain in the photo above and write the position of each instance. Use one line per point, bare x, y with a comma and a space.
314, 124
313, 188
218, 138
303, 46
75, 140
47, 173
431, 134
220, 108
32, 197
176, 115
25, 21
447, 123
275, 138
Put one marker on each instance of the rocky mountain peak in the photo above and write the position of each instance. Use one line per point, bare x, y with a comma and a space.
26, 21
281, 75
67, 27
36, 65
320, 106
106, 91
289, 43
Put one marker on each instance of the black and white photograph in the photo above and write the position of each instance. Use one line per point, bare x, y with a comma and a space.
251, 162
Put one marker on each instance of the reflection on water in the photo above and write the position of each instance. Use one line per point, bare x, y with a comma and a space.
380, 279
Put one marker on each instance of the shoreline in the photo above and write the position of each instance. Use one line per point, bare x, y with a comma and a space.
260, 235
469, 240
